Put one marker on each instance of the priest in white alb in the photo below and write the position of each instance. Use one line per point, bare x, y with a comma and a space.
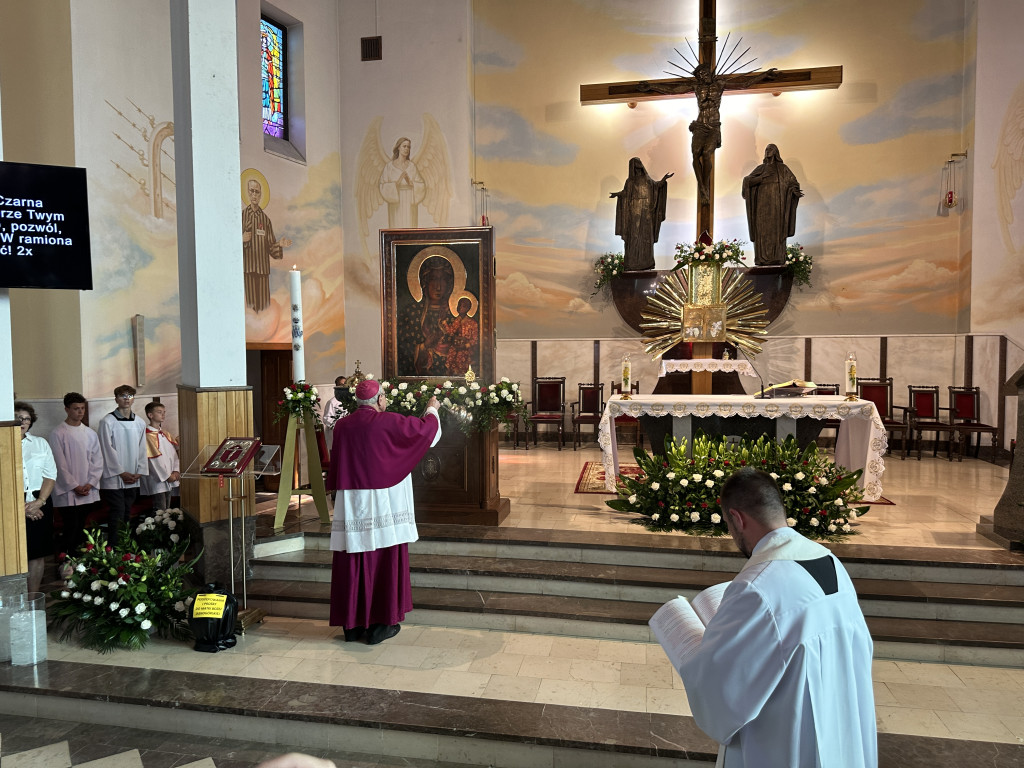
372, 454
782, 675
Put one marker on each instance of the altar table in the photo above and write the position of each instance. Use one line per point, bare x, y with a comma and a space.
860, 444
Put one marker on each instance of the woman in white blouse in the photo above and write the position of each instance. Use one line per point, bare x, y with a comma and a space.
40, 473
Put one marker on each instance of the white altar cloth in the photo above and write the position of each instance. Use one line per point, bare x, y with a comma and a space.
707, 364
860, 444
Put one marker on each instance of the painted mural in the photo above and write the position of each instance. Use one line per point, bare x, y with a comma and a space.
868, 154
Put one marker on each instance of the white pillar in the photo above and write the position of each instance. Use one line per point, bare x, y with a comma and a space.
206, 146
6, 352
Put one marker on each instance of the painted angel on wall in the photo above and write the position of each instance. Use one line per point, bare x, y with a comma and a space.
403, 179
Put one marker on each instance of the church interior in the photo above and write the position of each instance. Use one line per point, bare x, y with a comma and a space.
528, 644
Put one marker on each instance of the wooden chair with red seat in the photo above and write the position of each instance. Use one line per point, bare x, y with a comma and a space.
588, 409
548, 406
925, 416
879, 392
965, 413
629, 422
828, 389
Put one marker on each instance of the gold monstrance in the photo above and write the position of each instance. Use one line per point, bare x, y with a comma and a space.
704, 305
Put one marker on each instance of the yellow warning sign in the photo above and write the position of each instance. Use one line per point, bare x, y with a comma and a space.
209, 606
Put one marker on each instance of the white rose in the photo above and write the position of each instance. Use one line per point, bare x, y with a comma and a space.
846, 528
140, 608
98, 601
655, 486
838, 502
814, 522
315, 391
65, 594
674, 518
799, 476
469, 401
423, 388
96, 586
123, 612
719, 473
86, 598
698, 478
479, 395
812, 489
504, 380
151, 520
832, 528
474, 385
787, 487
790, 522
773, 476
684, 482
447, 385
515, 387
174, 538
113, 606
171, 525
694, 517
113, 585
462, 390
852, 514
632, 499
80, 568
716, 518
437, 391
709, 483
655, 516
670, 476
446, 401
179, 606
146, 624
77, 595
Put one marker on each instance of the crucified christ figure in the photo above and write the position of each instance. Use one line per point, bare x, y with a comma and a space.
707, 86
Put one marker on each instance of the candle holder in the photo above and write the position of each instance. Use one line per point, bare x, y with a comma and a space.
627, 377
851, 377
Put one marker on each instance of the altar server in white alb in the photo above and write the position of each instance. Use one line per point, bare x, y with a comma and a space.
782, 676
162, 452
123, 444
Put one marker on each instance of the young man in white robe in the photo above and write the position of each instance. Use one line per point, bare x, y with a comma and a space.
782, 676
76, 452
123, 444
162, 453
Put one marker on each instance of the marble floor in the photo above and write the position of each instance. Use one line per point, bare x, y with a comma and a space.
936, 503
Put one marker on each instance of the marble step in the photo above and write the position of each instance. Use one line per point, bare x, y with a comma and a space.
409, 725
878, 597
897, 637
975, 566
56, 755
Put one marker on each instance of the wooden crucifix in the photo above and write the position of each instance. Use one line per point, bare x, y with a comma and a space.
709, 86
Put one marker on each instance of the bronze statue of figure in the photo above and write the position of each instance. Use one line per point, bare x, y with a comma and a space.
639, 211
772, 194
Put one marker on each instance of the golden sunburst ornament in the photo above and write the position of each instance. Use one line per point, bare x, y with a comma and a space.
719, 305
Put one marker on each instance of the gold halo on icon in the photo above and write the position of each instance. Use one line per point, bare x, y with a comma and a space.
249, 174
459, 287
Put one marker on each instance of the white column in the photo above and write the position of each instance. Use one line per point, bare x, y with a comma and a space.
206, 146
6, 352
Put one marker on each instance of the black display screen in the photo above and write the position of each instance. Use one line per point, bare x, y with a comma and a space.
44, 227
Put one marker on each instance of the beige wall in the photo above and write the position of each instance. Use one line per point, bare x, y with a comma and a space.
38, 127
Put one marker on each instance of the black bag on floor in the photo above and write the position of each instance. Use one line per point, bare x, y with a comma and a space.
211, 617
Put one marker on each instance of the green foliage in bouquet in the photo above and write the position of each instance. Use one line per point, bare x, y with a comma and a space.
116, 596
608, 267
676, 492
475, 407
799, 264
299, 400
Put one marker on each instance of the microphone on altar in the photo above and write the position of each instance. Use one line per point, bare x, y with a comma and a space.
746, 357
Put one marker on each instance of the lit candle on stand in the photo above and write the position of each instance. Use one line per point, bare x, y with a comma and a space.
298, 352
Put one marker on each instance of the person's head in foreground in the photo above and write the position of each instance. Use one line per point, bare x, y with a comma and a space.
752, 506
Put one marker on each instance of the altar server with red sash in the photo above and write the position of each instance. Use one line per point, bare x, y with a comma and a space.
372, 456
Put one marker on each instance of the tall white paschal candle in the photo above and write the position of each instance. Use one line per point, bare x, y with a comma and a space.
298, 351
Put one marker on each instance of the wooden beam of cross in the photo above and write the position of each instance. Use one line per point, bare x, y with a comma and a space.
709, 87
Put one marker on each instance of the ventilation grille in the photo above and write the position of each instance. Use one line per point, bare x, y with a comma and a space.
371, 48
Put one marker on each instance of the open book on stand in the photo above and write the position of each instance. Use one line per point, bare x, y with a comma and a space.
679, 624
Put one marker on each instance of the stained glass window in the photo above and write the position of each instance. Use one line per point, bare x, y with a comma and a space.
273, 63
